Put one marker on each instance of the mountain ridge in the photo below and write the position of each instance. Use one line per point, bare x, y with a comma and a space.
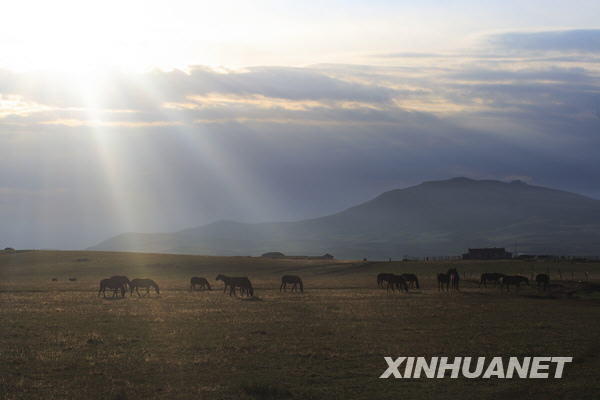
442, 217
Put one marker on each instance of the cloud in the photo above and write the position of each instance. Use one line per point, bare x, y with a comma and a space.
174, 149
577, 40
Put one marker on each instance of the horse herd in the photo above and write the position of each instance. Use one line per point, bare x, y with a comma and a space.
451, 280
122, 284
119, 284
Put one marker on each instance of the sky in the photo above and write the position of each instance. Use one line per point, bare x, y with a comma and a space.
156, 116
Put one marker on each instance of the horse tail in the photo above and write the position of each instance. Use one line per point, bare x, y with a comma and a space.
250, 289
417, 282
101, 287
208, 285
155, 285
301, 286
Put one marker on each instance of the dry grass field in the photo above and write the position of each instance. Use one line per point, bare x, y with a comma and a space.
58, 340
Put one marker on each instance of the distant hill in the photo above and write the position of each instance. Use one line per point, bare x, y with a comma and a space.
433, 218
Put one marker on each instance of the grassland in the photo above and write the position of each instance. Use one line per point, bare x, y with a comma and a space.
58, 340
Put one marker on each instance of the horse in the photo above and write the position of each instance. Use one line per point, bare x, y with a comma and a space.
515, 280
383, 277
293, 280
123, 279
490, 277
115, 284
240, 282
396, 281
411, 279
542, 280
202, 283
443, 279
454, 278
225, 280
144, 284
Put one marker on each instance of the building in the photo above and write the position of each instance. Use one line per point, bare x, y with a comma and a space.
490, 253
273, 254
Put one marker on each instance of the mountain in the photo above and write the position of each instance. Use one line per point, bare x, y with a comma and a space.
430, 219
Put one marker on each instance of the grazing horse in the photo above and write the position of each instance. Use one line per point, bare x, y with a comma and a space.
411, 279
225, 280
243, 283
490, 277
542, 280
122, 278
398, 282
293, 280
202, 283
443, 279
454, 278
115, 284
515, 280
383, 277
144, 284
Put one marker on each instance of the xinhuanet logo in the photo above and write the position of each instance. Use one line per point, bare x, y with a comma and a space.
479, 367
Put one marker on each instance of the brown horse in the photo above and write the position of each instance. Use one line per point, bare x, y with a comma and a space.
443, 279
486, 277
115, 285
454, 278
144, 284
411, 279
123, 279
383, 277
293, 280
398, 282
202, 283
233, 283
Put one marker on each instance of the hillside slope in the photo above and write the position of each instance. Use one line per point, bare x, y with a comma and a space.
433, 218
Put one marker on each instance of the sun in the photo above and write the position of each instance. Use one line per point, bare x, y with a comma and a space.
69, 36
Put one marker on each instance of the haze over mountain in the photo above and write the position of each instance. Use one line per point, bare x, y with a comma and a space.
433, 218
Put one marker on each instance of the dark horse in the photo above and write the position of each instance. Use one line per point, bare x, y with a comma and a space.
293, 280
115, 285
411, 279
515, 280
202, 283
443, 279
454, 278
542, 280
490, 277
398, 282
123, 279
237, 282
144, 284
225, 280
383, 277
